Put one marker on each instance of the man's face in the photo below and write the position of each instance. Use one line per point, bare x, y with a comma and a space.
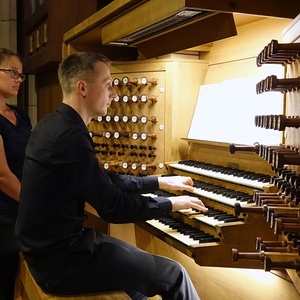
100, 91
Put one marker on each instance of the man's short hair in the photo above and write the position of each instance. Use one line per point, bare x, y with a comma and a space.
79, 65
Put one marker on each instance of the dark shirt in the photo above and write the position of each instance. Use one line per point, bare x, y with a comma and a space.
15, 138
61, 173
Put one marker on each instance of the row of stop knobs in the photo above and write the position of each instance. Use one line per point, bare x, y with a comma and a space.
125, 119
134, 81
277, 122
277, 155
117, 134
278, 53
273, 84
135, 98
123, 149
129, 165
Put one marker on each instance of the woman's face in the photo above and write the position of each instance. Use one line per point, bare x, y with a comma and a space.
9, 87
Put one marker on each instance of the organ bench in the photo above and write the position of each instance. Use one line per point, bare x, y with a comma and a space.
29, 290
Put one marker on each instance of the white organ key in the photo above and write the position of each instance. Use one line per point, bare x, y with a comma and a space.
201, 217
221, 176
208, 220
217, 197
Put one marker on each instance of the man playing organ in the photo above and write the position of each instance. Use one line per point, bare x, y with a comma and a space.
61, 173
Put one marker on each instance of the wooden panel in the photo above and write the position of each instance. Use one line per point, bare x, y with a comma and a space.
218, 153
276, 8
49, 98
246, 45
209, 29
107, 13
132, 21
43, 31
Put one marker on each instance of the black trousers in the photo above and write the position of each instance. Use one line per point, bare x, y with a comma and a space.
114, 265
9, 256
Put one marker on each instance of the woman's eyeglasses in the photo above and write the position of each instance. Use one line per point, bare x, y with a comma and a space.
14, 73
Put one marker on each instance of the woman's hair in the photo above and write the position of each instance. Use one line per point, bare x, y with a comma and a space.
5, 53
80, 65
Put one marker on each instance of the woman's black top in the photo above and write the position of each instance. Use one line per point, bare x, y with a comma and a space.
15, 139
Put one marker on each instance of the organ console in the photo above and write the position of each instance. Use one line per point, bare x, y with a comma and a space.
250, 191
227, 182
209, 237
253, 217
244, 204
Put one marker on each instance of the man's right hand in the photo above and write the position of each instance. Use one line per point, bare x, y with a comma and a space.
185, 202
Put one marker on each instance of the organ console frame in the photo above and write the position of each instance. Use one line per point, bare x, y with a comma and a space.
85, 37
218, 154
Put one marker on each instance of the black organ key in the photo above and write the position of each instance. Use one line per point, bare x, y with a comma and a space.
233, 219
209, 239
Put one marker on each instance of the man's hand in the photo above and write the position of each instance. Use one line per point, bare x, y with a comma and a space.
179, 183
185, 202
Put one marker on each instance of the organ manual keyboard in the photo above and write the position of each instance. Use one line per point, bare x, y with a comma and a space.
233, 188
241, 177
220, 182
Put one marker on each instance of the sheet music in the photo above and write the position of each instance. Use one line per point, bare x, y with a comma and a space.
225, 112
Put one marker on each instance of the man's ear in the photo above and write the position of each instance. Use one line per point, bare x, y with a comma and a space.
81, 87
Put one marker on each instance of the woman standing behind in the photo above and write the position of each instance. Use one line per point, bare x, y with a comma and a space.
15, 128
